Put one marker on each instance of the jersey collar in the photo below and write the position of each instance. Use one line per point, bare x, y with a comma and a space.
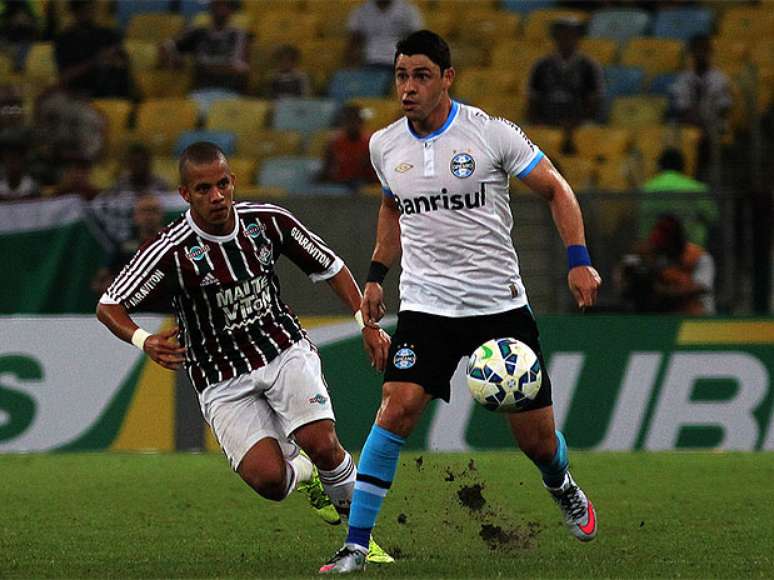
210, 237
455, 108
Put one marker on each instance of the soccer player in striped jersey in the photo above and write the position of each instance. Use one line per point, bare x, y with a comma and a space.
445, 169
258, 376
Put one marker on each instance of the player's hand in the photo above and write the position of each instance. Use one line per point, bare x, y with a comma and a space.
372, 306
584, 282
377, 345
164, 349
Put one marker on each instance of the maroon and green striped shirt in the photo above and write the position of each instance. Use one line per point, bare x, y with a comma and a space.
224, 289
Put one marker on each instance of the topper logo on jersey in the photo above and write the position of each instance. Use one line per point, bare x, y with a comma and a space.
462, 165
197, 253
253, 231
245, 302
444, 200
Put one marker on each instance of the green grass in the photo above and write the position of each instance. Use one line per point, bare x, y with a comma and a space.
695, 515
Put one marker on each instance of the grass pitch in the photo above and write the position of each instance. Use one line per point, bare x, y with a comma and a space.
696, 515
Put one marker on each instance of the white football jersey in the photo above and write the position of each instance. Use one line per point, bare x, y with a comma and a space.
451, 188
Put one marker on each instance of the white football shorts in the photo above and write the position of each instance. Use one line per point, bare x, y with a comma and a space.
272, 401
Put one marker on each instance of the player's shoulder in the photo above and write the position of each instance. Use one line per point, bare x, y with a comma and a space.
261, 210
389, 133
486, 122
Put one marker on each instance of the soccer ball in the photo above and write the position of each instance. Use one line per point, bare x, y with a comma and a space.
504, 374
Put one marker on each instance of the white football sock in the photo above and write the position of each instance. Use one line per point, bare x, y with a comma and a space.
339, 483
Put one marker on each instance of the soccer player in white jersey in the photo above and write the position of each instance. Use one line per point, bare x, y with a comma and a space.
258, 376
444, 169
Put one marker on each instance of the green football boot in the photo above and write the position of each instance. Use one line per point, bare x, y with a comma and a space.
319, 500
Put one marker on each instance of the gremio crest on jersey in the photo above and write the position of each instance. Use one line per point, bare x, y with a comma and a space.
462, 165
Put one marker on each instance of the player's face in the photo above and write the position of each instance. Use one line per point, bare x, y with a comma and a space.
209, 189
420, 85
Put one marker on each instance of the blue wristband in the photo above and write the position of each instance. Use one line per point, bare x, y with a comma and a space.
577, 256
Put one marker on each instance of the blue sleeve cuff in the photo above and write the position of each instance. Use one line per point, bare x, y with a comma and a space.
528, 169
387, 192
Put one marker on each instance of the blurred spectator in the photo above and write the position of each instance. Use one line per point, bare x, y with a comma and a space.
566, 88
18, 28
12, 114
220, 53
138, 177
15, 180
76, 179
702, 94
668, 274
66, 128
698, 213
347, 159
147, 220
91, 58
375, 27
288, 80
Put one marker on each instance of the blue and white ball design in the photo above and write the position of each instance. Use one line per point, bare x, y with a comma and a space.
504, 374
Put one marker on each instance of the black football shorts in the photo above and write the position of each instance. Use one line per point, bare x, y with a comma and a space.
426, 348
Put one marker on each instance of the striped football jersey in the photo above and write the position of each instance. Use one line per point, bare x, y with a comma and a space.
224, 289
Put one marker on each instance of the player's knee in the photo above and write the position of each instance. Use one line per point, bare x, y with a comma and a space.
398, 418
320, 443
269, 483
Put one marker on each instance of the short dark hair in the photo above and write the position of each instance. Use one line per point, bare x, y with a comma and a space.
428, 43
699, 41
671, 159
198, 153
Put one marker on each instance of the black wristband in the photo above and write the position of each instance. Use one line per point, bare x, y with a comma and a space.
377, 272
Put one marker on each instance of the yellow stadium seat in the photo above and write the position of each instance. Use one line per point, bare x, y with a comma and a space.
318, 143
333, 16
654, 55
243, 168
40, 68
321, 57
473, 83
242, 116
751, 22
143, 55
166, 168
378, 113
469, 55
550, 140
603, 50
371, 190
154, 26
242, 20
599, 143
637, 111
511, 107
286, 27
262, 143
160, 121
487, 27
538, 25
519, 55
650, 142
117, 113
614, 175
729, 51
762, 52
578, 171
442, 22
164, 83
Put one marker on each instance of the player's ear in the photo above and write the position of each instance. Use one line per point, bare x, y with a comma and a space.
184, 193
448, 77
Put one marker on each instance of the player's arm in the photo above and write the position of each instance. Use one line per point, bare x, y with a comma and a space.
375, 340
583, 279
385, 254
161, 347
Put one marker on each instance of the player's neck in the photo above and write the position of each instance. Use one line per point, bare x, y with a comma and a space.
435, 119
215, 229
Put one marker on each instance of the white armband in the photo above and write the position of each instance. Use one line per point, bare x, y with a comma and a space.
359, 319
139, 337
